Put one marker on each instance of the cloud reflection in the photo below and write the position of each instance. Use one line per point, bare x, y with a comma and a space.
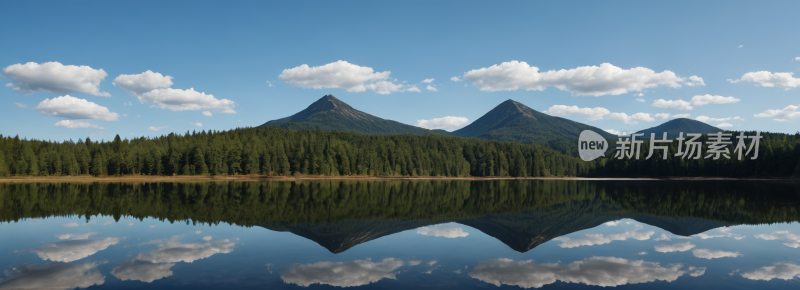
171, 251
784, 271
73, 250
595, 271
446, 232
342, 274
680, 247
75, 236
600, 239
714, 254
53, 276
142, 270
791, 240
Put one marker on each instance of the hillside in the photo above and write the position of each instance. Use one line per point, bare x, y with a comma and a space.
675, 126
513, 121
329, 113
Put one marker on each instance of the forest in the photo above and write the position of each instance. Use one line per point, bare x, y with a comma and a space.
274, 151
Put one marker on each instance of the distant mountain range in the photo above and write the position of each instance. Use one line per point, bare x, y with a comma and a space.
676, 126
509, 121
329, 113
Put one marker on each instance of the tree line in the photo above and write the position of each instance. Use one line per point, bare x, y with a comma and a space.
275, 151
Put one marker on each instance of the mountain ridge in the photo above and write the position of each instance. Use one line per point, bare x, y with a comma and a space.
329, 113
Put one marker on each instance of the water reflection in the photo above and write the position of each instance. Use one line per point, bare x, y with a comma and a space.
597, 271
342, 274
401, 234
53, 276
73, 250
144, 271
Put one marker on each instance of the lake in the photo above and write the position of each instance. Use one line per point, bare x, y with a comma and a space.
429, 234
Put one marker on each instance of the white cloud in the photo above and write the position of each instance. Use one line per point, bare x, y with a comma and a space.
21, 105
632, 119
8, 85
413, 89
663, 237
449, 122
76, 124
663, 116
431, 88
790, 112
269, 84
594, 271
455, 79
699, 100
697, 272
143, 82
171, 251
124, 115
341, 74
152, 128
796, 58
341, 274
56, 78
783, 271
431, 263
129, 103
640, 100
792, 240
707, 119
695, 81
72, 225
584, 81
680, 247
740, 46
600, 239
74, 236
73, 108
207, 113
182, 100
53, 276
73, 250
639, 95
618, 133
768, 79
591, 113
725, 125
598, 113
428, 81
207, 238
198, 232
414, 262
197, 124
446, 232
640, 254
142, 271
676, 104
714, 254
612, 223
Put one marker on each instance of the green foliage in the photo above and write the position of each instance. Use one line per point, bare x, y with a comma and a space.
274, 151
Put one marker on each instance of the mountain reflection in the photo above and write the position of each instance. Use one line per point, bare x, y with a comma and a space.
339, 215
596, 271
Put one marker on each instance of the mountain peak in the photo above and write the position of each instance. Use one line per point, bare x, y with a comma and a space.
330, 113
675, 126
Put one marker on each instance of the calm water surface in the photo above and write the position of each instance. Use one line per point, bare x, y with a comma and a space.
401, 234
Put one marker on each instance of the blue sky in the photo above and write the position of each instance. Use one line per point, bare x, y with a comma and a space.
247, 57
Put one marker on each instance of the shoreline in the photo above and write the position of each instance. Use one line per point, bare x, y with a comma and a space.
146, 178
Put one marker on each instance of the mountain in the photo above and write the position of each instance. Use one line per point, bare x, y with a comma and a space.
675, 126
340, 237
513, 121
329, 113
